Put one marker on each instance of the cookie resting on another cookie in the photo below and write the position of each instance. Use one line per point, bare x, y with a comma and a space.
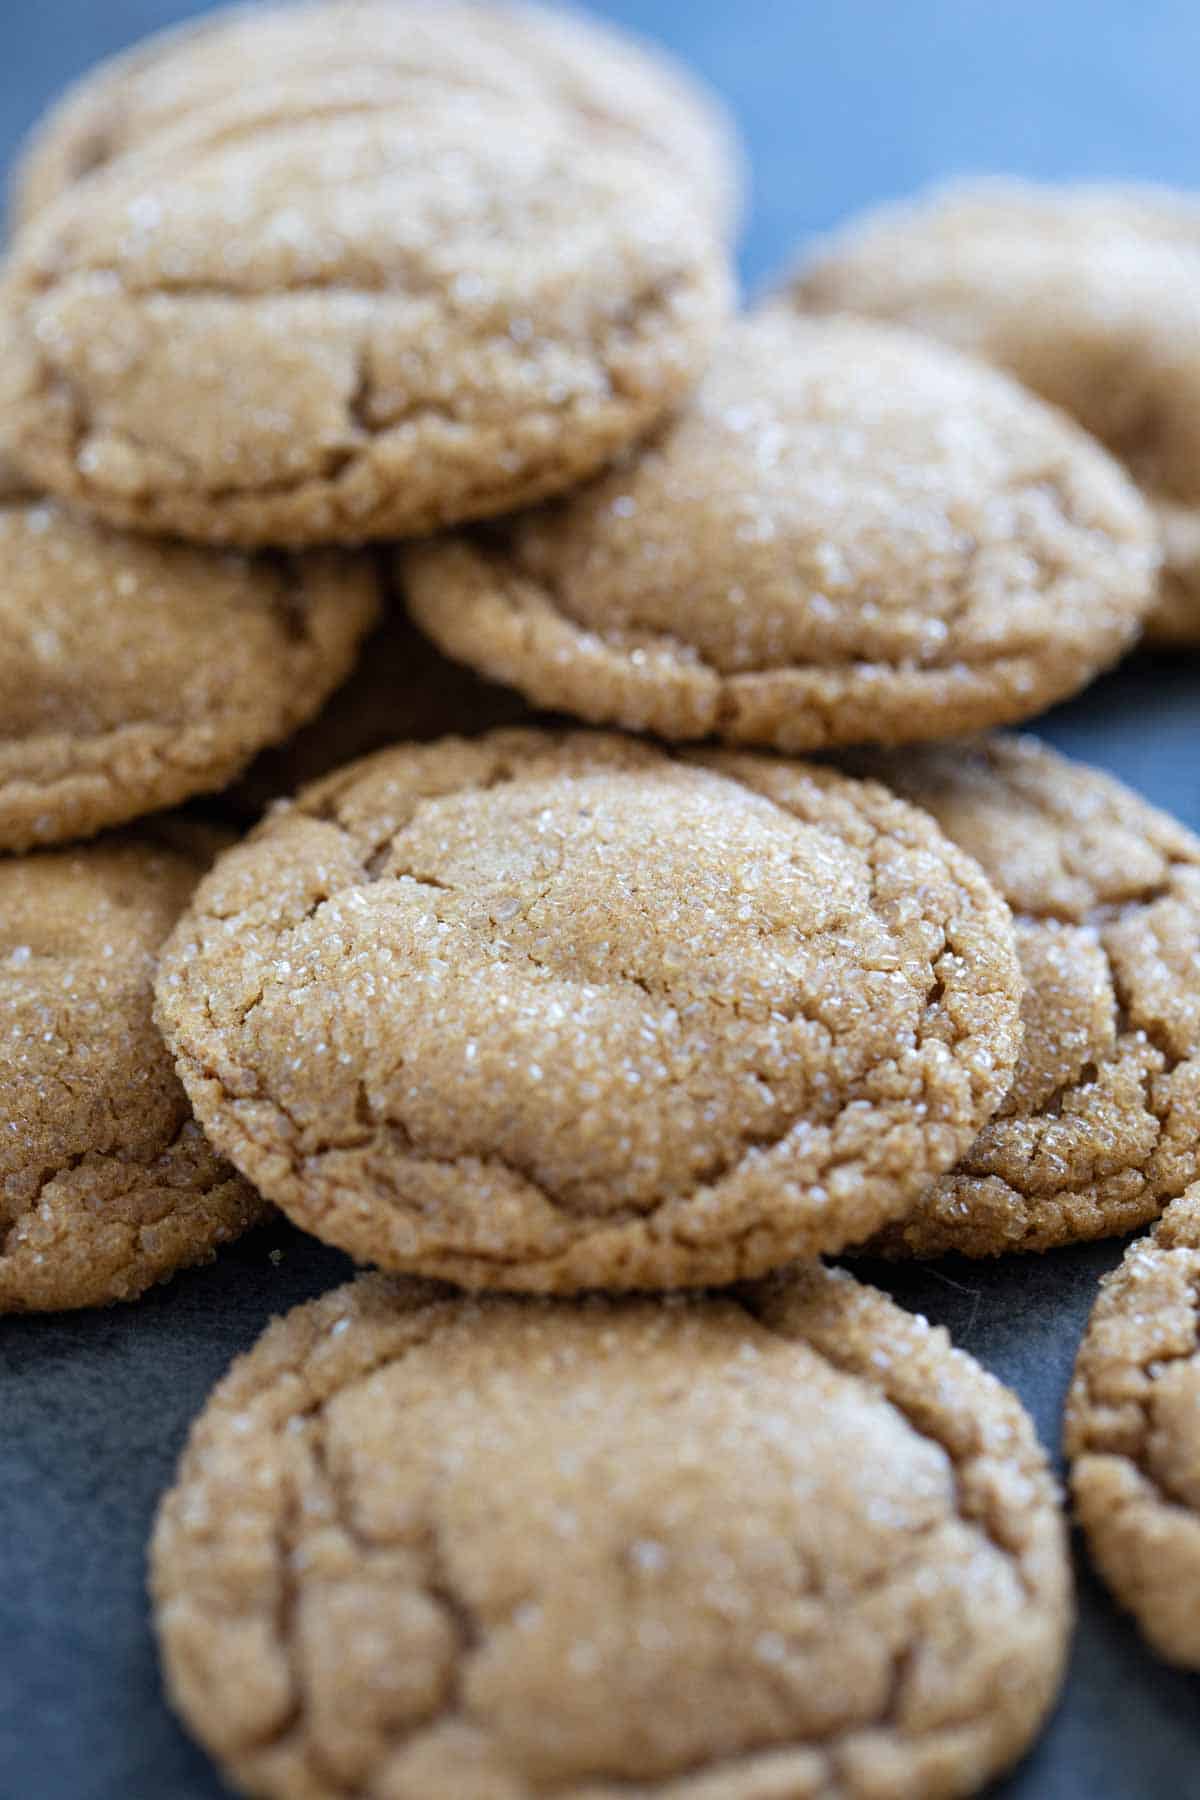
786, 1542
1089, 295
551, 1011
1133, 1432
849, 535
135, 674
1102, 1125
354, 325
190, 83
107, 1184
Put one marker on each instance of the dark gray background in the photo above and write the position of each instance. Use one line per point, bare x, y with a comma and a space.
841, 103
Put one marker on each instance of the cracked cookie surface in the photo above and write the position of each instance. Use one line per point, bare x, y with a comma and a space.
402, 688
135, 674
421, 1547
1102, 1125
848, 535
107, 1184
551, 1011
1133, 1432
184, 85
1089, 295
354, 325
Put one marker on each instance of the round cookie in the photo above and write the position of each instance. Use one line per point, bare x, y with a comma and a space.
848, 535
424, 1547
134, 674
354, 325
554, 1011
402, 688
1133, 1432
107, 1184
1089, 295
182, 85
1102, 1124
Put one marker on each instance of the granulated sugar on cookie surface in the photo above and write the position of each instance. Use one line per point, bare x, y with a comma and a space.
557, 1010
848, 535
1102, 1125
107, 1184
1133, 1432
783, 1543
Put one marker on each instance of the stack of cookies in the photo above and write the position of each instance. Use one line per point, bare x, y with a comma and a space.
388, 348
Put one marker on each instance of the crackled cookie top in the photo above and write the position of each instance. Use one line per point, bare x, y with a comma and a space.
354, 324
848, 535
1102, 1124
1089, 295
420, 1547
1133, 1432
181, 86
107, 1184
134, 674
555, 1011
402, 688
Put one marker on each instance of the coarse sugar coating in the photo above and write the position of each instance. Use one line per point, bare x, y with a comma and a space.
135, 674
1133, 1432
1088, 294
180, 86
107, 1184
402, 688
550, 1011
1101, 1127
353, 325
421, 1547
848, 535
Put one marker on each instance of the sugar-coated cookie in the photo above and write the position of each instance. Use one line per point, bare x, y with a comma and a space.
783, 1545
848, 535
551, 1011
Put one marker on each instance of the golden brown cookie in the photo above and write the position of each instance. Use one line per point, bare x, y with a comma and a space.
1102, 1124
107, 1184
1133, 1432
425, 1547
354, 324
182, 85
849, 535
551, 1011
134, 674
402, 688
1090, 295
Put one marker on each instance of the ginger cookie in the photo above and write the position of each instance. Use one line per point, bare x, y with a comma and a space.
1133, 1432
183, 85
551, 1011
1089, 295
134, 674
107, 1184
402, 688
1102, 1125
427, 1547
356, 324
849, 535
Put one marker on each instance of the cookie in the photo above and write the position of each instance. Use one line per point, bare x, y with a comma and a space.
423, 1546
182, 85
134, 674
1102, 1125
402, 688
1089, 295
355, 323
848, 535
1133, 1432
552, 1011
107, 1184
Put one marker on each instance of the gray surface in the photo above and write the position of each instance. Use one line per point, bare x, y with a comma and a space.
841, 103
